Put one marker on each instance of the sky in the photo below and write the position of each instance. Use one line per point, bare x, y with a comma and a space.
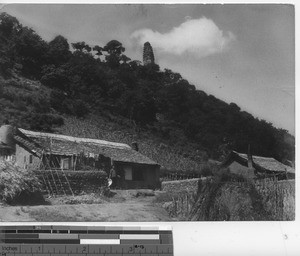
239, 53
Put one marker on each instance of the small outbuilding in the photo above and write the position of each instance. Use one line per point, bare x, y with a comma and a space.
7, 144
257, 166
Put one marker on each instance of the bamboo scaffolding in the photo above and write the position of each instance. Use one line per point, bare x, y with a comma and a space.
61, 184
46, 179
58, 175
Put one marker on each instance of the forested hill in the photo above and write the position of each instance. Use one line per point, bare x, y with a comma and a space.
42, 83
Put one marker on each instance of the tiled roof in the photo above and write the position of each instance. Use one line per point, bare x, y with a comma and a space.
68, 145
28, 144
266, 163
4, 145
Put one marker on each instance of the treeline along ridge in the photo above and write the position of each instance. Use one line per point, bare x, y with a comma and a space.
42, 82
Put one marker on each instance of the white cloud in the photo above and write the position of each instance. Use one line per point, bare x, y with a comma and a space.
200, 37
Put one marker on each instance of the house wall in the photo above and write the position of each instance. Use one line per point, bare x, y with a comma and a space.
25, 159
7, 154
143, 176
240, 169
152, 177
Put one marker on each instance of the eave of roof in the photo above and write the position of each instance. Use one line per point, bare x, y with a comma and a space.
28, 145
5, 146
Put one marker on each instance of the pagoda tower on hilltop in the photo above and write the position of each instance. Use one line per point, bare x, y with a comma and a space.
148, 56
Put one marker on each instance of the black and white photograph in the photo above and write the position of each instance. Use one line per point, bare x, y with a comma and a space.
147, 112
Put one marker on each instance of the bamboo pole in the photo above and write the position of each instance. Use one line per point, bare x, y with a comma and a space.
57, 192
69, 185
60, 182
50, 170
43, 177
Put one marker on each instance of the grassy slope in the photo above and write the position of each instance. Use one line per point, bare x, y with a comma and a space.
20, 97
119, 129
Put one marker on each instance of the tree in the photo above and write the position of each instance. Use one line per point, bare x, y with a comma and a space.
32, 52
150, 72
138, 105
134, 64
59, 51
114, 49
98, 49
55, 77
79, 46
87, 48
124, 59
9, 29
8, 25
171, 77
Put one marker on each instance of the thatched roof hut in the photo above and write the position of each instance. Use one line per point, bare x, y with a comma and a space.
263, 166
128, 167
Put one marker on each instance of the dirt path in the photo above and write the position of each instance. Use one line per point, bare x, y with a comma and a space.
124, 207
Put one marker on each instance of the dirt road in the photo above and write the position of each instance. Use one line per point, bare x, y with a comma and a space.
123, 207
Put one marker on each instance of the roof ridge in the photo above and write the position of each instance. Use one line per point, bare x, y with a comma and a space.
255, 155
74, 139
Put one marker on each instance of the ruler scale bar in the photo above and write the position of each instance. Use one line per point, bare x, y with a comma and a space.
41, 241
100, 241
141, 236
71, 249
86, 240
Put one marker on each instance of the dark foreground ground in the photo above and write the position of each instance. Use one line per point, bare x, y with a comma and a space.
123, 206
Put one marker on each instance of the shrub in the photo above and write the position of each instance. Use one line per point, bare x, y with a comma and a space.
15, 181
42, 122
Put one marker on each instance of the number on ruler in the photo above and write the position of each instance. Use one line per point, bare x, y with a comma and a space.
136, 248
131, 249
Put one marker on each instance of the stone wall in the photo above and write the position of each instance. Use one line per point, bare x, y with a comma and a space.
189, 185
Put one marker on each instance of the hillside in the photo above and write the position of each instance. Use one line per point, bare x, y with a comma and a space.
100, 92
170, 155
25, 103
